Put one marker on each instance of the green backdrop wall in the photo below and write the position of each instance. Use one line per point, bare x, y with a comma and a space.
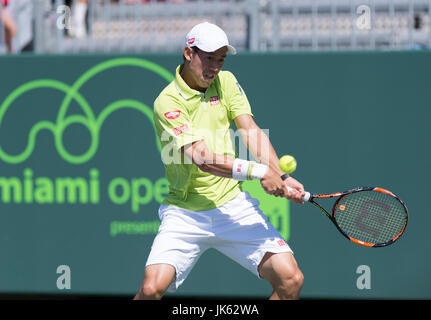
81, 177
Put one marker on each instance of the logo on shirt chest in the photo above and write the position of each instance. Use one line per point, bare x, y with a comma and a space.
172, 114
214, 101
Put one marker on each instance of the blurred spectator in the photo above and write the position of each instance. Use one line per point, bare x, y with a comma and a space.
21, 12
7, 20
79, 11
417, 30
79, 14
147, 1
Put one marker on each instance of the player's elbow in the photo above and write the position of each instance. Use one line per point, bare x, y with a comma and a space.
205, 167
201, 156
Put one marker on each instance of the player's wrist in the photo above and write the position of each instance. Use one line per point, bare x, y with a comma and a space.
248, 170
284, 176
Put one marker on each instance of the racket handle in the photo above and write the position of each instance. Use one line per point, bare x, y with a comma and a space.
306, 197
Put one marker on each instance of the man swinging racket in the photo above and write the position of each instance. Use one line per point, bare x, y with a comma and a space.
205, 207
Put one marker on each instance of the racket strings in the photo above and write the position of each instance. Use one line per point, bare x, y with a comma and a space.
370, 216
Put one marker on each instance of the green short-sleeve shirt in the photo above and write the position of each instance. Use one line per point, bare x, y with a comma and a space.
183, 115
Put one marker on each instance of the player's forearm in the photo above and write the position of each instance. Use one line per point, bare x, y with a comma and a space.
237, 169
216, 164
223, 166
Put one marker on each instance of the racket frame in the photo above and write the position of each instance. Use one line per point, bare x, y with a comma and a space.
340, 196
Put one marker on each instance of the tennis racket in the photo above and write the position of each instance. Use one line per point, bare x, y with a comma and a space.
368, 216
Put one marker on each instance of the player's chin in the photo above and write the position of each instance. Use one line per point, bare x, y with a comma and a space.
207, 80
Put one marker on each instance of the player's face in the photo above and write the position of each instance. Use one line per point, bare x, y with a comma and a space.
205, 67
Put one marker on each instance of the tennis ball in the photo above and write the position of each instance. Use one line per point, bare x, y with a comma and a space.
287, 164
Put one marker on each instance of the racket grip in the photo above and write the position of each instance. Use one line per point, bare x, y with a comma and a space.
306, 197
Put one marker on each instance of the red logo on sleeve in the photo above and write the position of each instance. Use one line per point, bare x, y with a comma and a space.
214, 101
172, 114
181, 129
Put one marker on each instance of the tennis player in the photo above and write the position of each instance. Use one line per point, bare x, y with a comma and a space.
206, 207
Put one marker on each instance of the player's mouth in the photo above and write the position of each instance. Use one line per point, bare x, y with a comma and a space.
208, 76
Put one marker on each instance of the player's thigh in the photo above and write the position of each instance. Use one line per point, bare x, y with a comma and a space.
276, 267
158, 276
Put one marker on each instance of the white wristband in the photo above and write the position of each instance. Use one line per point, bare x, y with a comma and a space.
258, 171
248, 170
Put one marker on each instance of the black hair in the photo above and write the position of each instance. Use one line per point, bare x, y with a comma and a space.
195, 49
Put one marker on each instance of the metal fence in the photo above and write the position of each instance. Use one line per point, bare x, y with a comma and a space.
252, 25
133, 26
346, 25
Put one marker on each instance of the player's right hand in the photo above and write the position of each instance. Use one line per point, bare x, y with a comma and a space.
295, 190
273, 184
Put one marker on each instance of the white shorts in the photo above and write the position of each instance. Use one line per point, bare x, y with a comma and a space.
238, 229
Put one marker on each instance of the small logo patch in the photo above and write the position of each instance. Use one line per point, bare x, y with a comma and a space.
191, 41
214, 101
281, 242
172, 114
181, 129
239, 167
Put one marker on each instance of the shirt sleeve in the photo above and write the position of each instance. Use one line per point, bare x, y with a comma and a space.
173, 123
237, 99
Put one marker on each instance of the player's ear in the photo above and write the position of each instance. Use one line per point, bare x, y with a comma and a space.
188, 53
